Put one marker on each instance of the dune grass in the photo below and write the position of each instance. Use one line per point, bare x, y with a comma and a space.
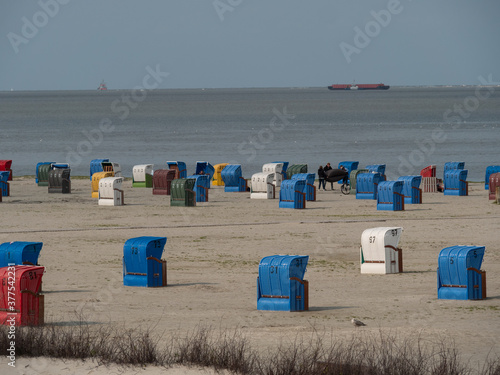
220, 349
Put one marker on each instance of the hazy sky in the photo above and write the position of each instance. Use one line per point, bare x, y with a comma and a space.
74, 44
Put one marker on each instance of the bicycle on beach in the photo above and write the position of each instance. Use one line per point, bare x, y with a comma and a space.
345, 188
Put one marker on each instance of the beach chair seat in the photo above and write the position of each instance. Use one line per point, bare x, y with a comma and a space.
21, 301
162, 181
142, 263
349, 166
284, 169
110, 192
411, 189
6, 166
96, 177
109, 166
96, 166
4, 184
182, 192
493, 185
379, 250
233, 180
492, 169
179, 167
455, 182
42, 173
142, 175
277, 170
292, 194
309, 188
459, 274
204, 167
201, 186
390, 196
367, 185
59, 180
262, 186
217, 178
281, 285
354, 175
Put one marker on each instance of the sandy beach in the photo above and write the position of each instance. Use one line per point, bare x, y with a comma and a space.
213, 251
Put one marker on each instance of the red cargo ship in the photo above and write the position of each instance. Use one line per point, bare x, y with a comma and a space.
375, 86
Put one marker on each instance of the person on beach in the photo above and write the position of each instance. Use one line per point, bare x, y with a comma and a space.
321, 176
327, 168
346, 177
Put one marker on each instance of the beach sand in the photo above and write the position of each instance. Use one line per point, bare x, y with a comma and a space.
213, 251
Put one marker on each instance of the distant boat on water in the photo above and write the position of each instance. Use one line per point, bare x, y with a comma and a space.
369, 86
102, 86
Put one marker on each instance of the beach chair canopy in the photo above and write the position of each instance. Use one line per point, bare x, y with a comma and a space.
22, 304
376, 168
216, 178
204, 167
367, 185
180, 166
20, 252
429, 171
280, 283
389, 195
233, 180
411, 189
110, 193
285, 166
162, 180
452, 165
59, 180
459, 275
261, 181
107, 186
379, 251
455, 182
182, 192
493, 184
4, 183
489, 171
272, 168
139, 172
142, 264
349, 165
294, 169
96, 166
109, 166
201, 186
42, 171
292, 194
5, 165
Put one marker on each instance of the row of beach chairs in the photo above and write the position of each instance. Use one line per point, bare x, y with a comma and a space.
368, 183
280, 282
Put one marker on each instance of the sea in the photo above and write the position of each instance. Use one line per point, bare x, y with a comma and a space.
405, 128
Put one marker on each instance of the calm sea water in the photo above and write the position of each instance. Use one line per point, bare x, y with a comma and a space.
404, 128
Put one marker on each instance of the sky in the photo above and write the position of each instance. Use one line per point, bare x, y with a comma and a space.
74, 44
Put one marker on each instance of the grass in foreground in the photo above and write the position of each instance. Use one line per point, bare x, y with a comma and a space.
229, 350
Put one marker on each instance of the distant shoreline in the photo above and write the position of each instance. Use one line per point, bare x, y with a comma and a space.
238, 88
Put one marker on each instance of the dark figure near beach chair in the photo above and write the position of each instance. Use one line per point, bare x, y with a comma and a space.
321, 177
327, 168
